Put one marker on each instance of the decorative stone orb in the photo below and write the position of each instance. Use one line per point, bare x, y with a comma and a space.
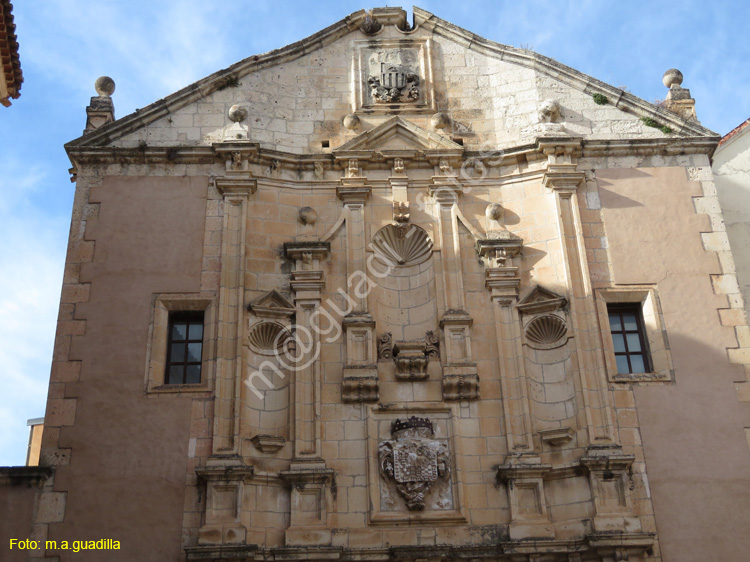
672, 77
352, 122
494, 211
237, 113
440, 121
308, 216
104, 86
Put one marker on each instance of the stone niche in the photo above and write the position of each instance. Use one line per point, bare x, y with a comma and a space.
394, 74
413, 465
265, 410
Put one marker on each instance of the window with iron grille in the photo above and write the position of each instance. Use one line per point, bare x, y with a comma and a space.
629, 338
185, 348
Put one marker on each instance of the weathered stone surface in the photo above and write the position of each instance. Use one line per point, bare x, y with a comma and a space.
423, 225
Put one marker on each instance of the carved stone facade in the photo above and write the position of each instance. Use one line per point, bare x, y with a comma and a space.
405, 279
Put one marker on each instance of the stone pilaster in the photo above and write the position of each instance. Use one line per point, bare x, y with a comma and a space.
502, 282
307, 285
460, 378
236, 192
360, 377
563, 179
307, 472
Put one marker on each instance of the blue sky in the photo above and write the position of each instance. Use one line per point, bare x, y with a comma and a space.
153, 48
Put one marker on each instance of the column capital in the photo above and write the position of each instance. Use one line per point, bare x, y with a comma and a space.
301, 251
236, 186
353, 191
502, 283
307, 282
498, 250
563, 179
445, 189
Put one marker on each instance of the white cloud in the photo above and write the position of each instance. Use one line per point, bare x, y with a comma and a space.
31, 260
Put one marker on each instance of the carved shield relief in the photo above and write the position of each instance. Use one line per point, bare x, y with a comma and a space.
413, 471
394, 75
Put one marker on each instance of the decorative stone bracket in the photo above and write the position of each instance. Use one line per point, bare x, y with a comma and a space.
237, 156
495, 252
411, 357
268, 443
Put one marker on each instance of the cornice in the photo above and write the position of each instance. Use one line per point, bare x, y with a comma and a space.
93, 155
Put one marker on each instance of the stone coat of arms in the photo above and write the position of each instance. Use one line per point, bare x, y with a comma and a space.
393, 76
413, 459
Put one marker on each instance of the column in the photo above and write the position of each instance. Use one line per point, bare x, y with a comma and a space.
460, 378
522, 470
236, 192
360, 377
307, 475
563, 179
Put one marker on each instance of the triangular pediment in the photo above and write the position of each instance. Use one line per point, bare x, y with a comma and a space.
540, 300
272, 305
396, 135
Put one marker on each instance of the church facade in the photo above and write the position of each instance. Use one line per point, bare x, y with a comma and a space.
397, 292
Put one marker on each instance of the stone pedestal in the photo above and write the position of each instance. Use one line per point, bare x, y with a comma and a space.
309, 482
224, 477
523, 477
610, 482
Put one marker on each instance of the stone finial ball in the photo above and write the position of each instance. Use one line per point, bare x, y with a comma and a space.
440, 121
494, 211
308, 216
352, 122
672, 77
104, 86
237, 113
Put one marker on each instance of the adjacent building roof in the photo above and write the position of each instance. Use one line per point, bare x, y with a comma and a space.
11, 76
734, 132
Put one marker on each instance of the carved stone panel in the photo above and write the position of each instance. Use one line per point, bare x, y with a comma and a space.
413, 466
394, 74
414, 461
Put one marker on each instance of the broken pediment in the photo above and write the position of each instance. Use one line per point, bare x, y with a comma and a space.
272, 305
399, 137
540, 300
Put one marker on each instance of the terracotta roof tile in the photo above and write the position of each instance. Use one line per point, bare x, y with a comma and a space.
9, 59
734, 132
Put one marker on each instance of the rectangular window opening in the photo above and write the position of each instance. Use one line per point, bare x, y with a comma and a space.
629, 338
184, 348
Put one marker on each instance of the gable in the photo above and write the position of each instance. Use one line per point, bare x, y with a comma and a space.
297, 97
